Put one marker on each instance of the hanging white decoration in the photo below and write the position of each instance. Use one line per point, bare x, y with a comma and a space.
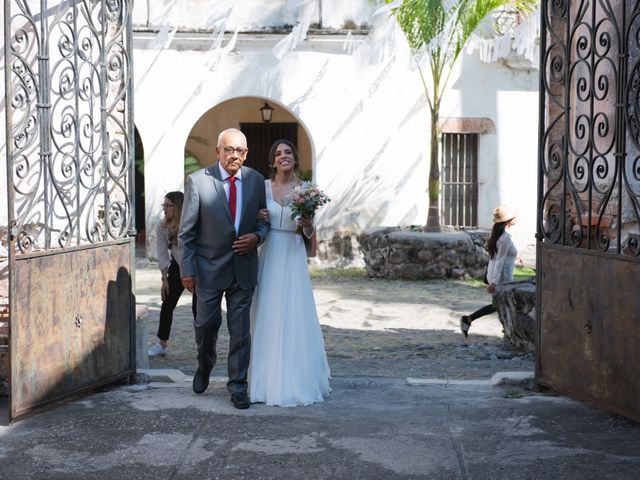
522, 39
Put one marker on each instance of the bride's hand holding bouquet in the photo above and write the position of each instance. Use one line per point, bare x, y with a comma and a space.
305, 199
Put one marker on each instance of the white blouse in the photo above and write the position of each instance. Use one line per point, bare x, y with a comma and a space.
500, 269
165, 250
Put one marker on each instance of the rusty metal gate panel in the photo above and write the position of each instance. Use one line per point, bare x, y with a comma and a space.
588, 250
70, 172
77, 336
589, 347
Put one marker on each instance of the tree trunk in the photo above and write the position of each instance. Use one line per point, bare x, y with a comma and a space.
433, 215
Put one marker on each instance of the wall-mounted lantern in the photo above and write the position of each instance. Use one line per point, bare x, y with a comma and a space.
266, 111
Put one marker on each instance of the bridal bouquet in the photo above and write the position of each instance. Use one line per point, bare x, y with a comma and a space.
305, 199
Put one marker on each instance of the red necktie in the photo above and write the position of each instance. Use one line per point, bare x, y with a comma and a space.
232, 197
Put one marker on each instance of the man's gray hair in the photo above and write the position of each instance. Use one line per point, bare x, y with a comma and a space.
230, 130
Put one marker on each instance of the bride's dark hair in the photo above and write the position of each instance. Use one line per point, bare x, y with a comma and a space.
272, 156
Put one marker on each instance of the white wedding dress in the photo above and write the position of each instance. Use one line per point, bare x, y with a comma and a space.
288, 360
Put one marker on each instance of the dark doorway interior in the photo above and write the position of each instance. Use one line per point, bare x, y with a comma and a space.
139, 190
260, 137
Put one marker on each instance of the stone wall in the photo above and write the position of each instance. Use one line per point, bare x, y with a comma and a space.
516, 302
341, 249
395, 253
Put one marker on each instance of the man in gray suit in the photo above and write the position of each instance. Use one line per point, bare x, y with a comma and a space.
219, 233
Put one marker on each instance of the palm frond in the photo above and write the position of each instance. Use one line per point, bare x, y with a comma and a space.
443, 27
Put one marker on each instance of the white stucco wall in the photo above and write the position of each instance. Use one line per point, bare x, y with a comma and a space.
251, 14
369, 147
367, 120
368, 124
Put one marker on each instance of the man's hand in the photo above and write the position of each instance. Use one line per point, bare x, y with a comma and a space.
245, 243
491, 288
190, 283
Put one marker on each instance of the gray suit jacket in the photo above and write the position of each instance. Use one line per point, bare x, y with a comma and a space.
207, 231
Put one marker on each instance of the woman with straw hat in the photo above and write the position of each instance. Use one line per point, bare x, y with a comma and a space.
502, 257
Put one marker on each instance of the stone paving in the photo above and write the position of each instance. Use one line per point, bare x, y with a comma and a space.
443, 423
372, 327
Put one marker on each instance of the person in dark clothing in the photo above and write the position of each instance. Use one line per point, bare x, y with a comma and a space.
168, 261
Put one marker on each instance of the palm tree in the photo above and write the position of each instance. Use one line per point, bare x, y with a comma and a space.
437, 31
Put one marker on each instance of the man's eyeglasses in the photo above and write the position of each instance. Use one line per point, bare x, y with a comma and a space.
239, 150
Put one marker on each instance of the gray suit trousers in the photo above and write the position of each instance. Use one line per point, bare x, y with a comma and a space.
207, 326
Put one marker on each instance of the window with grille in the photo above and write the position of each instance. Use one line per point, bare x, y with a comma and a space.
459, 180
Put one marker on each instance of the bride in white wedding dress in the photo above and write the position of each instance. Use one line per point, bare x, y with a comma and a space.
288, 360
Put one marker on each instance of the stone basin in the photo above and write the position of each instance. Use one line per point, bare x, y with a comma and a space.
392, 252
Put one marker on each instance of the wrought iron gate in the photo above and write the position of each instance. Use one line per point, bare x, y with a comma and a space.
70, 173
588, 312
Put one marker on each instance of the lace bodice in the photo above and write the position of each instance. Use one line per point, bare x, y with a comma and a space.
279, 215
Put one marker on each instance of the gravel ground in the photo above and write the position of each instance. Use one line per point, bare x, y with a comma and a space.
372, 327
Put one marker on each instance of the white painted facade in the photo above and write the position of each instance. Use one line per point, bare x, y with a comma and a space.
367, 121
363, 113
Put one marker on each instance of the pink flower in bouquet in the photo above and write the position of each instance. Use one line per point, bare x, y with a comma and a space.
305, 200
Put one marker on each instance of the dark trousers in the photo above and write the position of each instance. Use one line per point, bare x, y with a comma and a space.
208, 323
171, 300
481, 312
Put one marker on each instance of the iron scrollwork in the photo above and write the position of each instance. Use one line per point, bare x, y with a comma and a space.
590, 135
69, 154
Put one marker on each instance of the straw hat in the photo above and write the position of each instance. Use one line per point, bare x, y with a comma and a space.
503, 213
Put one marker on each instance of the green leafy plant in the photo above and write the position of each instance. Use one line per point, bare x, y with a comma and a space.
513, 394
523, 273
191, 164
305, 175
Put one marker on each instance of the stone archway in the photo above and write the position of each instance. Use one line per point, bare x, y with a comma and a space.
244, 113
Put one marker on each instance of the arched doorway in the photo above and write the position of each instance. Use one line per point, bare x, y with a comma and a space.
139, 190
260, 137
244, 113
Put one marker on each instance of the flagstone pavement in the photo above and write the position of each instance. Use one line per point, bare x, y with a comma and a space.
411, 399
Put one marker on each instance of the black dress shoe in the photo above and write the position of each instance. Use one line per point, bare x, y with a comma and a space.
200, 382
240, 400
